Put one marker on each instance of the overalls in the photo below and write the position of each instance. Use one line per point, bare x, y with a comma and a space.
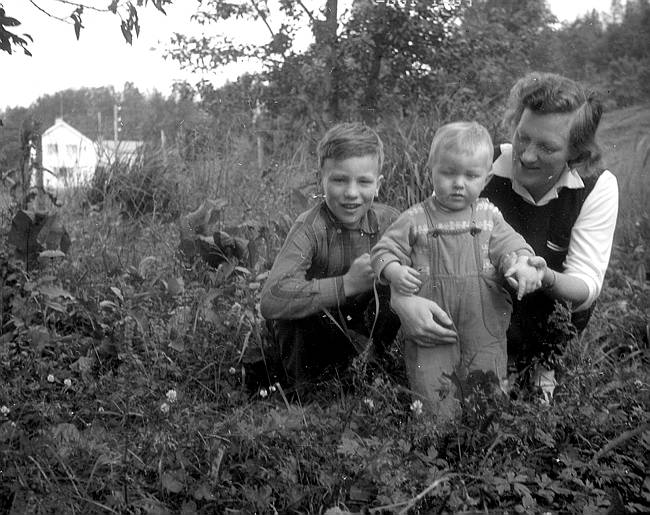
460, 278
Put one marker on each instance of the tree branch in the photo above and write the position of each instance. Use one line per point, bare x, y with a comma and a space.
307, 11
65, 20
263, 16
78, 4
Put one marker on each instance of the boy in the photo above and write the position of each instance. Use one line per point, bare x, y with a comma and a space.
321, 281
455, 249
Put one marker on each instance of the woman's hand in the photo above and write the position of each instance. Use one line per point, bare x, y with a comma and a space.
423, 320
526, 274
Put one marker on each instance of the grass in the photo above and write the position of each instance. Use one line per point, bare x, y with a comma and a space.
91, 425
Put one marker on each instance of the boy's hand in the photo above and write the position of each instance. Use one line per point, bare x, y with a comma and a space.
359, 277
526, 275
404, 279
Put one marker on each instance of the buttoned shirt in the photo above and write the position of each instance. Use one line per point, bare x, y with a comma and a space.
307, 275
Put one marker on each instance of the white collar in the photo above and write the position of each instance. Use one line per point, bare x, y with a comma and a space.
502, 167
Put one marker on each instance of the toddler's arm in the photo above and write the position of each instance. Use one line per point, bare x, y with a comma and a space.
404, 279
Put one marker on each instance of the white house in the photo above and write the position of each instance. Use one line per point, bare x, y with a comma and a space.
70, 158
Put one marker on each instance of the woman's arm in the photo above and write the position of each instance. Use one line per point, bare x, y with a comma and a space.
590, 246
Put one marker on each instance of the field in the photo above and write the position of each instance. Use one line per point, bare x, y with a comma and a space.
125, 383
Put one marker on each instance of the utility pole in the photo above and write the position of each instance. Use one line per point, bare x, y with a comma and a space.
116, 128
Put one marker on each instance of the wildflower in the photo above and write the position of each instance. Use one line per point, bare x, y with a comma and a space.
171, 396
50, 378
232, 371
416, 407
100, 409
370, 403
164, 407
263, 393
638, 383
67, 383
272, 388
4, 410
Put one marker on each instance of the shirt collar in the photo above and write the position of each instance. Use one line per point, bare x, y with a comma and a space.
502, 167
368, 225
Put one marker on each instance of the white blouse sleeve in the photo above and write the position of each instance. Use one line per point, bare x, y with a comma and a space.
592, 237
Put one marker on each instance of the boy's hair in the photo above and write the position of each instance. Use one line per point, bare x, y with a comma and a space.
462, 138
347, 140
545, 93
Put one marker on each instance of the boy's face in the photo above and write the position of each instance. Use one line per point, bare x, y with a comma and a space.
458, 178
350, 186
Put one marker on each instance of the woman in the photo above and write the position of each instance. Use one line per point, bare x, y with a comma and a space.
551, 188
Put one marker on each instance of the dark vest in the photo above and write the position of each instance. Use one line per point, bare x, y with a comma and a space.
546, 228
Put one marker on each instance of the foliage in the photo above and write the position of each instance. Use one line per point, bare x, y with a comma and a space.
125, 9
8, 39
145, 184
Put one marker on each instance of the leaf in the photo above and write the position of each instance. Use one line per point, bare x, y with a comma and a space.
54, 292
146, 265
23, 234
203, 493
126, 32
39, 336
171, 482
117, 293
83, 365
175, 286
108, 304
50, 255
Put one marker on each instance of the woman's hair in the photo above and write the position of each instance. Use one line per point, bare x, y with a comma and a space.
347, 140
545, 93
462, 138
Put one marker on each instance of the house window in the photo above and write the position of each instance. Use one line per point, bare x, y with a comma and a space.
71, 150
52, 148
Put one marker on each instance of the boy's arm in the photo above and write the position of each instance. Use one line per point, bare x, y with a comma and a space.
287, 294
394, 245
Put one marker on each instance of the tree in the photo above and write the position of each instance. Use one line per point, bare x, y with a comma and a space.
281, 26
127, 10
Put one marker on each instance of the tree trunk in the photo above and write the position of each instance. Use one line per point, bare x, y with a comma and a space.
371, 93
332, 71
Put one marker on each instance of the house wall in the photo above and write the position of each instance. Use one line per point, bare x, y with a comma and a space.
69, 155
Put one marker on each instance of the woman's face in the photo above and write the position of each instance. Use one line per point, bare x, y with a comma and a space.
540, 150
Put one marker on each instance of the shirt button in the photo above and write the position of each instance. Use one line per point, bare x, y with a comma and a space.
338, 231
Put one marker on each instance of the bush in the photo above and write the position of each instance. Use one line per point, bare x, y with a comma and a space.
146, 184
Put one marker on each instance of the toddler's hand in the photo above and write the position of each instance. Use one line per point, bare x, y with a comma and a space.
526, 274
404, 279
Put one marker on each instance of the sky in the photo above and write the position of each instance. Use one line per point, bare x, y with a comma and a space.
101, 57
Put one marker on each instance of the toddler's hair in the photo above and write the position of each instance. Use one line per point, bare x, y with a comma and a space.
463, 138
347, 140
545, 93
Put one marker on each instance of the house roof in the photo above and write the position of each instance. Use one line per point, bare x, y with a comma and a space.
59, 123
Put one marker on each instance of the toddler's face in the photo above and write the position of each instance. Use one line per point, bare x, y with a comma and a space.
458, 179
350, 186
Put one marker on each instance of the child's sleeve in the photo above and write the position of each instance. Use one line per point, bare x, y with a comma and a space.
287, 293
506, 244
394, 245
